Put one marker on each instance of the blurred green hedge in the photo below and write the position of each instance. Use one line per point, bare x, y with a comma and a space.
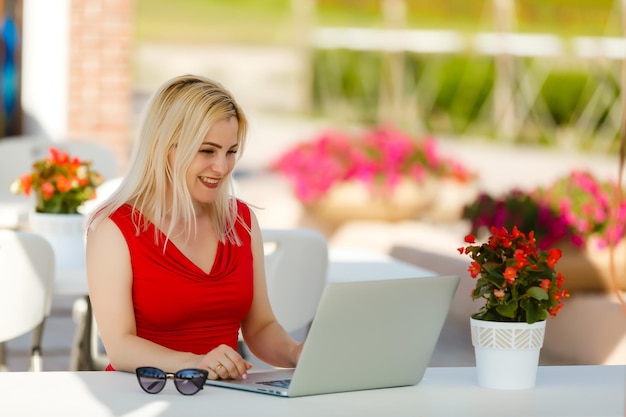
454, 94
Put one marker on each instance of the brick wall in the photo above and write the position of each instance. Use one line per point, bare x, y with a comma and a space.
100, 74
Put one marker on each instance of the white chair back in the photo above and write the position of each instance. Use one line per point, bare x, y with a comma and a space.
296, 262
26, 281
19, 152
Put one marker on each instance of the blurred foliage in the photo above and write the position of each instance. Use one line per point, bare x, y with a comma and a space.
442, 93
270, 21
454, 94
563, 91
465, 84
212, 21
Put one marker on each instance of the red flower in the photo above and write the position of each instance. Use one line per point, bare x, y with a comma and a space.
58, 157
474, 269
48, 190
521, 259
510, 269
510, 273
553, 256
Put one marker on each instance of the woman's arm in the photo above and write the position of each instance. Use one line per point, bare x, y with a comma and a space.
109, 277
265, 337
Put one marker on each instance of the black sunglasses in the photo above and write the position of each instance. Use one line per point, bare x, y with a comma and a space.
187, 381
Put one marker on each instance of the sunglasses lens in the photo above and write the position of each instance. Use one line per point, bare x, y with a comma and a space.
152, 380
190, 381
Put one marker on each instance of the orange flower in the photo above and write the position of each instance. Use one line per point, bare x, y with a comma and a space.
26, 180
63, 184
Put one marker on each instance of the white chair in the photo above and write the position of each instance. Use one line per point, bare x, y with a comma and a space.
17, 154
296, 265
26, 280
296, 261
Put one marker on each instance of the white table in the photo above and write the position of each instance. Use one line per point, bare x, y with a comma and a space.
346, 264
572, 391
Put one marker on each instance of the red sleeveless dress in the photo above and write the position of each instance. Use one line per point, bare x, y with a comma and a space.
176, 304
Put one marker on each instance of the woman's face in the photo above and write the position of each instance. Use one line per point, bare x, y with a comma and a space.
214, 161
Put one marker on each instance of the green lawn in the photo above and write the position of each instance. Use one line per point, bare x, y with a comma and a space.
270, 21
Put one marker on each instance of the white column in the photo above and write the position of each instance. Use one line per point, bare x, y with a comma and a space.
45, 66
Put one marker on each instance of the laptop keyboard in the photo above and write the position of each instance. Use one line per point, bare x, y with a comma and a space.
280, 383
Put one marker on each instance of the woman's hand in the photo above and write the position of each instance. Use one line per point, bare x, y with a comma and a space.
224, 362
296, 352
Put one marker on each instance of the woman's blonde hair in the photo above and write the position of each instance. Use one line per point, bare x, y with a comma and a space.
179, 115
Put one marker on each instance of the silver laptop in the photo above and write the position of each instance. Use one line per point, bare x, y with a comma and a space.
365, 335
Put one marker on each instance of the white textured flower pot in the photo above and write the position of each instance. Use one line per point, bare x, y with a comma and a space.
66, 234
507, 354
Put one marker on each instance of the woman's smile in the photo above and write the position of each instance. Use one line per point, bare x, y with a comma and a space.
209, 182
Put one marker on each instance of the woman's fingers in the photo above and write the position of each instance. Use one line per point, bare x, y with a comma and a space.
226, 363
220, 371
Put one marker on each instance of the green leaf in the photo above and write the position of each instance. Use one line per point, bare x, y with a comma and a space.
537, 293
508, 310
483, 288
534, 312
496, 278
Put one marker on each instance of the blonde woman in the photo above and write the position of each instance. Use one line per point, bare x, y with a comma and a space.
174, 262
